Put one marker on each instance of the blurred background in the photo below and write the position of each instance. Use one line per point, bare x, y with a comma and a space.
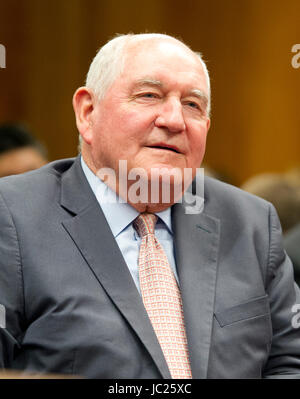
254, 140
246, 44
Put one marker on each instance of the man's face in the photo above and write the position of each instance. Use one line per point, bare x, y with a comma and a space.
154, 114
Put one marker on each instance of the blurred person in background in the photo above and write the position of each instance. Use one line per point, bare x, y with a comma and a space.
278, 190
292, 238
293, 177
19, 151
291, 242
283, 191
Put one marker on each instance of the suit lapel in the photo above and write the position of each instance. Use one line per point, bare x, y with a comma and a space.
196, 241
91, 234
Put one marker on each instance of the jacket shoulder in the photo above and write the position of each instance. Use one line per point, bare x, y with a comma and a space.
55, 168
219, 195
29, 186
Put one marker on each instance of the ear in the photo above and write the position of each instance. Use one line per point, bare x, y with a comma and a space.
207, 124
83, 104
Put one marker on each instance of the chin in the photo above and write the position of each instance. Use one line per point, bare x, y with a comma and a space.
166, 171
165, 168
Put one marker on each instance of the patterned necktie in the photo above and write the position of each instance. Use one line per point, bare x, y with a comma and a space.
161, 297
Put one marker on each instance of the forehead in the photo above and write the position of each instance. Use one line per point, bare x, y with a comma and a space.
163, 60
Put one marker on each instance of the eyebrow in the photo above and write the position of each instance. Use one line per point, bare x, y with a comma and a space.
201, 95
194, 92
149, 81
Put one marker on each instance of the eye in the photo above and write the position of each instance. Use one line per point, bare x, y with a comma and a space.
149, 95
192, 104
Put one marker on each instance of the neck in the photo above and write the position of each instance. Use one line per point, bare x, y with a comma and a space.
144, 195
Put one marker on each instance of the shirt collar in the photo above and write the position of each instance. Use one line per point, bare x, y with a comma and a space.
117, 213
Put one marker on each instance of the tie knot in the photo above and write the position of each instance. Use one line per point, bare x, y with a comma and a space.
145, 224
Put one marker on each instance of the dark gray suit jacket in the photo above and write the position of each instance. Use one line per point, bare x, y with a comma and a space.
72, 307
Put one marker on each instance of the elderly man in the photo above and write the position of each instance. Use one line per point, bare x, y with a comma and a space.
101, 280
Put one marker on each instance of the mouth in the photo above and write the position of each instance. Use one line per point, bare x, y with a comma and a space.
163, 146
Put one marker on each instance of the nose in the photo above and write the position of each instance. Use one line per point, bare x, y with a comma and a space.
171, 116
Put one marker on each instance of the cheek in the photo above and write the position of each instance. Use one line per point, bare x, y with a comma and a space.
197, 145
134, 123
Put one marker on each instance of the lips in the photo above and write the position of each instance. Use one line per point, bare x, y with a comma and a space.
164, 146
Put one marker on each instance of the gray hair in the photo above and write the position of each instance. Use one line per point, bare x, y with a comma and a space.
109, 61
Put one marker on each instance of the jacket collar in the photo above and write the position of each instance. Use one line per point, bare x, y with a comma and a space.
196, 241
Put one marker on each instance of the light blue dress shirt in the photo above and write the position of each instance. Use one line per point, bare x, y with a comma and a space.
120, 215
